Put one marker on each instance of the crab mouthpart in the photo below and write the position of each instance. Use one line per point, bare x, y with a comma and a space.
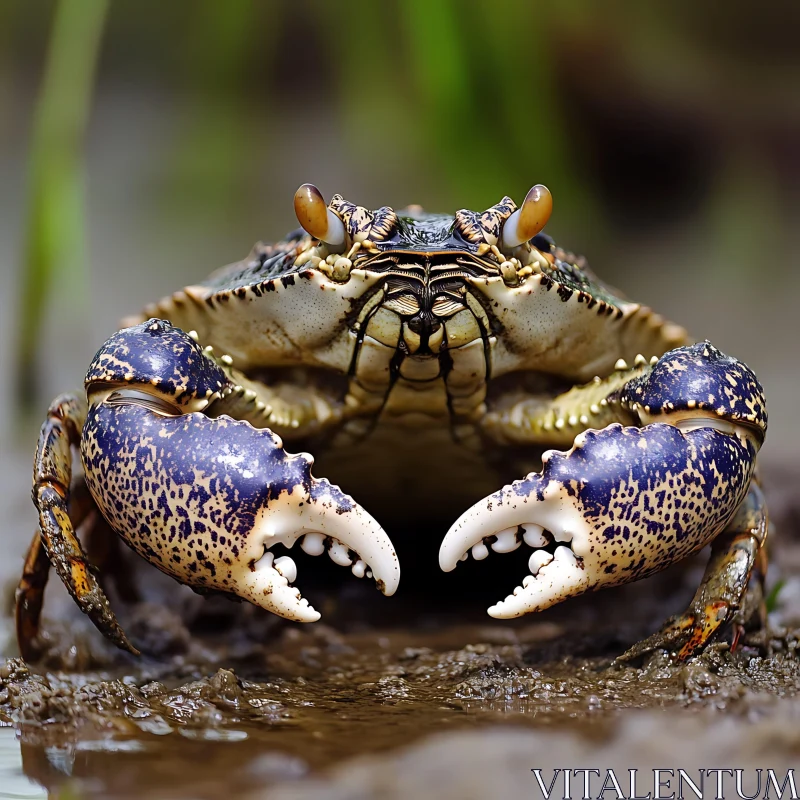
323, 519
506, 520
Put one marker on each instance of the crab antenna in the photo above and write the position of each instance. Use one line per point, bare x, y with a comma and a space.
530, 219
315, 217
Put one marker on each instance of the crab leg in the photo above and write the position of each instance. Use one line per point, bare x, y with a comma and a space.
29, 595
626, 502
52, 475
556, 422
305, 413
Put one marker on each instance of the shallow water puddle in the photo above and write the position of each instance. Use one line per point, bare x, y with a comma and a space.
226, 720
13, 781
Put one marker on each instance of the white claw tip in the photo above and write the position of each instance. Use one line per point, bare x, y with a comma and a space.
537, 521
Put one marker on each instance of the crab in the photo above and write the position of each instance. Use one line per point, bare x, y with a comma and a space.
428, 360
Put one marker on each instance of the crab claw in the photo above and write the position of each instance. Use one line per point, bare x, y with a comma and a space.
323, 519
204, 499
622, 504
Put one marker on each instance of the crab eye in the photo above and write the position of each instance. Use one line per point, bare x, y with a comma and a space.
529, 220
316, 218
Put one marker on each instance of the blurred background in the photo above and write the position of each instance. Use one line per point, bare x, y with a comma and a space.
143, 144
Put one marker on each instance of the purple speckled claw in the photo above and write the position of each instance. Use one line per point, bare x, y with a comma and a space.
622, 504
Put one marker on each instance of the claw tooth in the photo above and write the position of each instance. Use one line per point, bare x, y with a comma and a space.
313, 544
322, 518
464, 557
506, 541
621, 364
538, 560
339, 554
565, 554
274, 576
534, 535
480, 551
562, 572
359, 568
526, 581
369, 574
546, 499
287, 568
639, 361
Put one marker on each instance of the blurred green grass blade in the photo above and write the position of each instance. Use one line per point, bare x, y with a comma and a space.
210, 165
771, 601
524, 95
54, 239
488, 96
452, 114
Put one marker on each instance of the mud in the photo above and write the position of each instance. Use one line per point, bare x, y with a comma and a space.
431, 701
314, 700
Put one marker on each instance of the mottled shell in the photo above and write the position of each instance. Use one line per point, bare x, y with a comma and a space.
280, 306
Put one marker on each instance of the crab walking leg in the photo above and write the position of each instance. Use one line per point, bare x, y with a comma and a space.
721, 595
204, 499
52, 474
626, 502
29, 595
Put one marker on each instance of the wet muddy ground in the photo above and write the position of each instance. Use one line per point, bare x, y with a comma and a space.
397, 697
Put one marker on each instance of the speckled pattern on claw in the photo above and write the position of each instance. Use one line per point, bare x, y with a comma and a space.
159, 355
425, 360
700, 378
